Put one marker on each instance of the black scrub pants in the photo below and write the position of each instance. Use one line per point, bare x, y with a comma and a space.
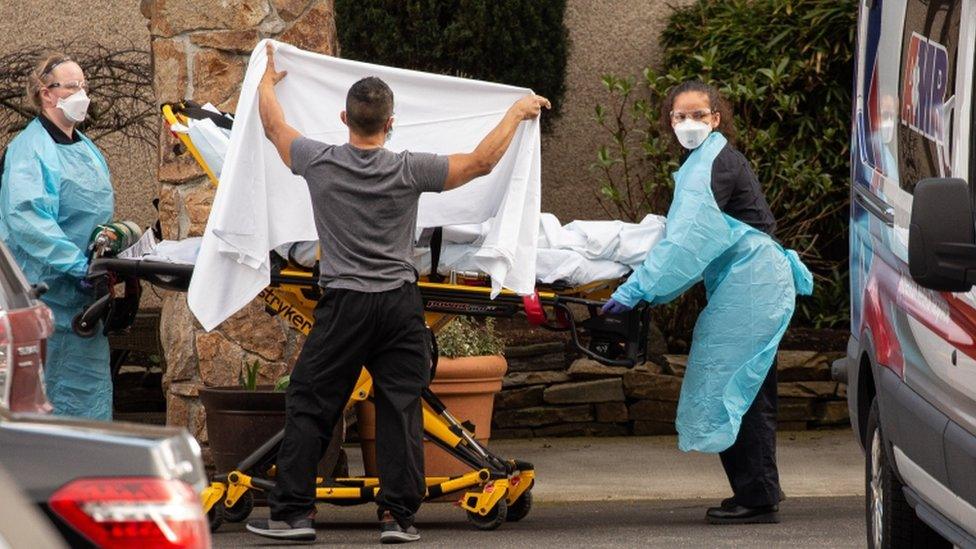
750, 463
386, 332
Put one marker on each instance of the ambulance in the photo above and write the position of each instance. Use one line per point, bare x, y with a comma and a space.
910, 364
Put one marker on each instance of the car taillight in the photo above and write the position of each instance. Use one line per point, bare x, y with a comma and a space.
133, 512
6, 361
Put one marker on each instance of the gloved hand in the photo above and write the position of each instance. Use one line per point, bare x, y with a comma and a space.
614, 307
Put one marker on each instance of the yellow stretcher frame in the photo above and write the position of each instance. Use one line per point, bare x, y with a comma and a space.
491, 494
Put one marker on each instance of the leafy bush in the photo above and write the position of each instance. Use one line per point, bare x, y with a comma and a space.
785, 66
518, 42
468, 337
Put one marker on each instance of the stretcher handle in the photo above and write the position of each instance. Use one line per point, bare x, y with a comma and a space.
194, 110
85, 323
173, 276
559, 303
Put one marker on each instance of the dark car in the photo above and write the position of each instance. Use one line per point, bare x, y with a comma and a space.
101, 484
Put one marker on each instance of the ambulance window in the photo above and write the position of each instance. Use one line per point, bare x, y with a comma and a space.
928, 74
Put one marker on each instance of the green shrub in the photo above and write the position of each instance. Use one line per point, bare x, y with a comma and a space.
518, 42
464, 337
785, 66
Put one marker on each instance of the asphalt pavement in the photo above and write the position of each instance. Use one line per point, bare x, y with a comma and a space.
806, 522
633, 491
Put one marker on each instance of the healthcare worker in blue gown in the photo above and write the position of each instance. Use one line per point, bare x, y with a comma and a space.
54, 190
719, 230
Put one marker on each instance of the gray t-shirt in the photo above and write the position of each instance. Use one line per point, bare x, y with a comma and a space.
365, 207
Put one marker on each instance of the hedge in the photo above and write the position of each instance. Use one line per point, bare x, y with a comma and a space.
517, 42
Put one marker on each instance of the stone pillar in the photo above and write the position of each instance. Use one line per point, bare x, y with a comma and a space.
200, 50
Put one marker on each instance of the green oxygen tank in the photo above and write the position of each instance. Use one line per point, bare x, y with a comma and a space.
109, 239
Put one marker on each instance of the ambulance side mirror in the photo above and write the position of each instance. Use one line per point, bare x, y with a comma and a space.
942, 236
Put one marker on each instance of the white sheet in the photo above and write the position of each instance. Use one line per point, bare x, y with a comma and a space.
568, 266
571, 262
616, 241
184, 252
259, 204
576, 253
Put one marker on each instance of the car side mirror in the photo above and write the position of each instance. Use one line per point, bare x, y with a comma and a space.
942, 236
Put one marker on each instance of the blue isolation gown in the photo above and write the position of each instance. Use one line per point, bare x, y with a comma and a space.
52, 196
751, 284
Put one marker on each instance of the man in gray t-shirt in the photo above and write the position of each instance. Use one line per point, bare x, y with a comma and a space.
364, 198
365, 206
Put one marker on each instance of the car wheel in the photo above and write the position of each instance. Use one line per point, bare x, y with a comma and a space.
891, 521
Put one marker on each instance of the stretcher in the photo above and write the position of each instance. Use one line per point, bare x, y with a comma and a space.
495, 489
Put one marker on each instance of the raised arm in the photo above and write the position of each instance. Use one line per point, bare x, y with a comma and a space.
464, 167
272, 116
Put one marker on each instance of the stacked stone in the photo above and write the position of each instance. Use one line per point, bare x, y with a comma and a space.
545, 395
200, 50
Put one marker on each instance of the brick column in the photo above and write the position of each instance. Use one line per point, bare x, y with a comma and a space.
200, 50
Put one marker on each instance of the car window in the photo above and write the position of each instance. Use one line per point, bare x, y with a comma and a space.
930, 45
878, 92
14, 289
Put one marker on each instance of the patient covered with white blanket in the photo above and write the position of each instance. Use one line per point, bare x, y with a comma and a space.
574, 254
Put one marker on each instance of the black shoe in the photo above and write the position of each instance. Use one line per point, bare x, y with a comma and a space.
737, 514
728, 503
392, 532
297, 529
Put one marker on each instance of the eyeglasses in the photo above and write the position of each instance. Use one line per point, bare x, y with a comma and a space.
697, 116
72, 85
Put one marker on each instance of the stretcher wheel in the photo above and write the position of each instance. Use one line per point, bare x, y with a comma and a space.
520, 508
215, 516
493, 519
241, 509
83, 331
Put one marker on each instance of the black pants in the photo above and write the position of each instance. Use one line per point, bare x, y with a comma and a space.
750, 463
385, 332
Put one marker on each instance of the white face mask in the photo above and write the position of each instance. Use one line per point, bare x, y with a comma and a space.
691, 134
75, 106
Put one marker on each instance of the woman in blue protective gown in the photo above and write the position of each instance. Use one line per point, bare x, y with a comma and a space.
54, 190
719, 230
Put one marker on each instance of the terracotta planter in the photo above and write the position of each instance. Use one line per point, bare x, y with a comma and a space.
467, 386
239, 422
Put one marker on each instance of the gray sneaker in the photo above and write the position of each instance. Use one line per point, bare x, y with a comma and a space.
298, 529
392, 532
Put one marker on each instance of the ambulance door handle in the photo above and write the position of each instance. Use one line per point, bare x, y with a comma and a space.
875, 206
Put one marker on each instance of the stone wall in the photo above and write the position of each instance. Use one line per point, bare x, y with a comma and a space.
546, 393
200, 50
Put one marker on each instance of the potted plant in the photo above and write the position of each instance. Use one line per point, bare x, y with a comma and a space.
469, 374
240, 419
